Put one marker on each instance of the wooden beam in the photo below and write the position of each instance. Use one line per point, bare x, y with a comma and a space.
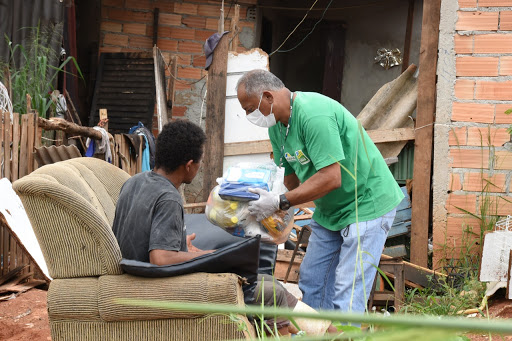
68, 127
173, 68
235, 28
421, 196
215, 118
391, 135
408, 35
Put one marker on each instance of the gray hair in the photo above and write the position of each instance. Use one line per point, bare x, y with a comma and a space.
257, 81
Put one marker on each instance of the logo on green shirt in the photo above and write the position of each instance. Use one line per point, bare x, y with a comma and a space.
289, 157
303, 159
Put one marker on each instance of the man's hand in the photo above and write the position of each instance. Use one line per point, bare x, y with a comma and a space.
192, 248
267, 204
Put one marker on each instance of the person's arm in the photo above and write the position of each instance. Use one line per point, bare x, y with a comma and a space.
291, 181
164, 257
321, 183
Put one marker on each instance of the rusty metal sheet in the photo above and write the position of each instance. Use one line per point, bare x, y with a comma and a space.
48, 155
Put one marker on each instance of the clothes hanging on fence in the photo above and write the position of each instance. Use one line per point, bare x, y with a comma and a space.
97, 147
150, 141
145, 155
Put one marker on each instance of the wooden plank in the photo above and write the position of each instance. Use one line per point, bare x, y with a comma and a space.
246, 148
235, 28
11, 274
395, 251
418, 274
391, 135
31, 133
161, 96
424, 132
7, 145
23, 168
399, 229
7, 238
15, 145
215, 107
104, 116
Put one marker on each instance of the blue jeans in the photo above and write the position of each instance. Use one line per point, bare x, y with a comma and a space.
327, 271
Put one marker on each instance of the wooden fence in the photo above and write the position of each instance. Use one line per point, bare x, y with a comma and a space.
19, 137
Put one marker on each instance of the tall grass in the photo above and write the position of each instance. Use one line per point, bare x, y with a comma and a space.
36, 74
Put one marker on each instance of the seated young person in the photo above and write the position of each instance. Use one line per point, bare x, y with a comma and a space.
149, 220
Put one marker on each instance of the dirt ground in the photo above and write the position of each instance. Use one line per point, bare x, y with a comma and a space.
24, 318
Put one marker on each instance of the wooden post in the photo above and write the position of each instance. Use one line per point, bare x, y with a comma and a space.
104, 116
173, 68
7, 145
15, 145
234, 29
2, 115
31, 137
421, 193
156, 13
215, 116
408, 35
23, 167
221, 19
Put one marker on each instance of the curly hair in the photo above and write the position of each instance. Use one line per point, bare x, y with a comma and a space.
178, 142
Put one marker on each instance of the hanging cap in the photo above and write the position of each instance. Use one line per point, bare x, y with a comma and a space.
210, 45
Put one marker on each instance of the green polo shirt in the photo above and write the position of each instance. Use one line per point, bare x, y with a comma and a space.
321, 133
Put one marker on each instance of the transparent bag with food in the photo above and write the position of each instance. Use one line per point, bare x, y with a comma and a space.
227, 205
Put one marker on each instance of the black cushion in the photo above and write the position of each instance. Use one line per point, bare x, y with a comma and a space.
210, 236
240, 258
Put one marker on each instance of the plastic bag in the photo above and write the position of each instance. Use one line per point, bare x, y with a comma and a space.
233, 215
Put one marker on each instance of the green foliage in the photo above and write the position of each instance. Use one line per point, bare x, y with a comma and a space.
508, 112
36, 73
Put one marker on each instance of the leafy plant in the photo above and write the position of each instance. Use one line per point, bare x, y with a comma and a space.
36, 73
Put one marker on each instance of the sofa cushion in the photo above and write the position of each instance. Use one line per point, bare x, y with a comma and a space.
192, 288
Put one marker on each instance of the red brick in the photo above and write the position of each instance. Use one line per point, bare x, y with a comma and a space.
472, 112
477, 66
115, 39
503, 160
110, 49
178, 111
185, 8
194, 22
141, 42
506, 20
464, 88
183, 59
505, 66
127, 49
467, 3
203, 35
169, 19
133, 28
455, 184
165, 6
493, 90
104, 12
477, 21
113, 3
182, 33
494, 3
463, 44
190, 47
111, 26
182, 86
493, 43
131, 16
167, 45
213, 24
487, 136
480, 181
501, 117
139, 4
189, 73
461, 203
497, 205
457, 136
199, 61
469, 158
211, 11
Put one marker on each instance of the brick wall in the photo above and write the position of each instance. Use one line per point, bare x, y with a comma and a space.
127, 26
479, 166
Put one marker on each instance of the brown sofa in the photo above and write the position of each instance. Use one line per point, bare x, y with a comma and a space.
71, 206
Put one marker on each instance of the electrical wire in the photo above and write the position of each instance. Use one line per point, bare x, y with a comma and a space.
289, 35
307, 35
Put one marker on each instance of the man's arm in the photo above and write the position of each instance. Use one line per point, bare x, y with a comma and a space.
291, 181
321, 183
164, 257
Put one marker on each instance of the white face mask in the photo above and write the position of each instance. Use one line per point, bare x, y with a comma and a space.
257, 118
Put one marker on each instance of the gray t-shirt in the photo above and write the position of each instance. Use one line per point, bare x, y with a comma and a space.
149, 216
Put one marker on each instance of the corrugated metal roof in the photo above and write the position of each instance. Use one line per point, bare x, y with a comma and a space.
52, 154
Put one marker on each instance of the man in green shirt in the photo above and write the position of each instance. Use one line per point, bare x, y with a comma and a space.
328, 158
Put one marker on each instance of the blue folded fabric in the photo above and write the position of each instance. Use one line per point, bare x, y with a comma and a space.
239, 192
